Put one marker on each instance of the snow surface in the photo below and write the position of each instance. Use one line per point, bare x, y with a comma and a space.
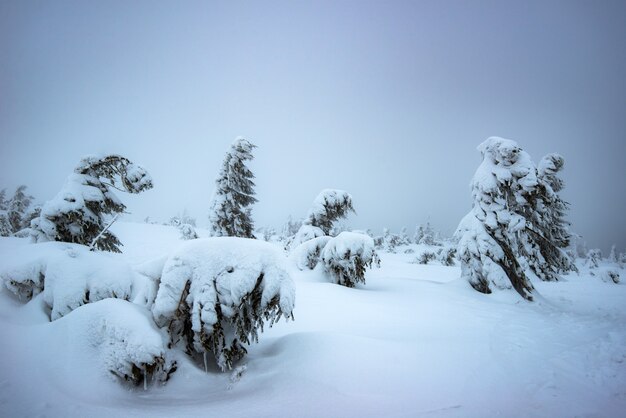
414, 342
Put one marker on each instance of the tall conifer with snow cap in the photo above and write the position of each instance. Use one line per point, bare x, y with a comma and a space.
230, 212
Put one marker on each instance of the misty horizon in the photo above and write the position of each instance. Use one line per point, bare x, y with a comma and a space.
385, 101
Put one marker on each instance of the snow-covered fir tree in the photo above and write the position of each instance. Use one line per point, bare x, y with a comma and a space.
5, 225
329, 206
230, 211
80, 212
613, 255
517, 220
419, 233
490, 233
16, 212
428, 235
17, 208
547, 230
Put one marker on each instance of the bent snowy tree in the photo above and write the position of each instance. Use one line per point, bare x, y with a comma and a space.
216, 294
329, 206
490, 232
78, 213
516, 223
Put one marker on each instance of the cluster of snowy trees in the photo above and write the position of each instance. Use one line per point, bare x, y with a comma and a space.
212, 297
16, 212
517, 223
345, 256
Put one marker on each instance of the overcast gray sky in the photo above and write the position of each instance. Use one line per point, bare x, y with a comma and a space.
385, 99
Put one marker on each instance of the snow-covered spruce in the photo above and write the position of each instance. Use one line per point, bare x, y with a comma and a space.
547, 231
216, 294
187, 231
69, 275
346, 257
126, 341
78, 213
230, 212
14, 212
490, 233
329, 206
308, 254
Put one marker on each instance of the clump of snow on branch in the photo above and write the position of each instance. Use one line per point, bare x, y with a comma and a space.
347, 256
216, 294
69, 275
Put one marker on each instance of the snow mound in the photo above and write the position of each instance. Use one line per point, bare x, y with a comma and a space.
346, 257
216, 293
126, 341
69, 275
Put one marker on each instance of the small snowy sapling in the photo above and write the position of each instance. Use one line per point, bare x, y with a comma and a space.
347, 256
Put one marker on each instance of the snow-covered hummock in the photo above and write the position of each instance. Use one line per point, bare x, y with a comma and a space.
347, 255
305, 233
210, 281
68, 274
123, 337
307, 254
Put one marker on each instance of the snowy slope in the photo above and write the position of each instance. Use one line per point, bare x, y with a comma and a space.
413, 341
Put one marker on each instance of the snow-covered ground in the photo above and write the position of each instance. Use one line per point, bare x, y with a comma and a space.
413, 342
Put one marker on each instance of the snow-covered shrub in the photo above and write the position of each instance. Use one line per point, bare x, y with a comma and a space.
78, 213
446, 256
425, 257
594, 256
390, 241
127, 342
346, 257
69, 275
216, 294
308, 254
610, 274
230, 212
187, 231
